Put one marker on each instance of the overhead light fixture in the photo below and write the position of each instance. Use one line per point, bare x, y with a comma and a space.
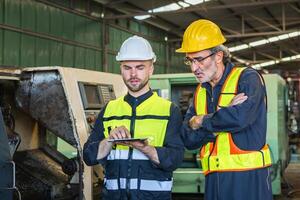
258, 43
264, 41
171, 7
237, 48
283, 37
273, 62
194, 2
142, 17
273, 39
183, 4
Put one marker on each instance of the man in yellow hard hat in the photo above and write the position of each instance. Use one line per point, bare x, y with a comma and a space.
227, 118
137, 136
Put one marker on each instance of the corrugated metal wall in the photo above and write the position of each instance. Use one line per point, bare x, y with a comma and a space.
70, 33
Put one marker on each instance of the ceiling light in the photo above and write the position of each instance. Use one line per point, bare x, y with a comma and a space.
169, 7
183, 4
286, 59
264, 41
273, 39
294, 34
239, 47
283, 37
195, 2
142, 17
272, 62
258, 43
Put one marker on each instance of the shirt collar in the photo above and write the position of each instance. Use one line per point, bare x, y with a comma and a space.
137, 100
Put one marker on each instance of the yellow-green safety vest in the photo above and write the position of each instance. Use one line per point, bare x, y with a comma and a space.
224, 155
149, 120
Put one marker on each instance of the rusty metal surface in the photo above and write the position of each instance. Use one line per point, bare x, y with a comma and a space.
4, 148
38, 176
41, 95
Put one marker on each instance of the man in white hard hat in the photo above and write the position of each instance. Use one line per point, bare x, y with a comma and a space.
140, 169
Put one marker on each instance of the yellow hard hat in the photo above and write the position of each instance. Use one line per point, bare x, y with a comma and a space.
200, 35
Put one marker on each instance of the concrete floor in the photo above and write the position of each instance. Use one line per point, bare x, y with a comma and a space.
291, 189
292, 176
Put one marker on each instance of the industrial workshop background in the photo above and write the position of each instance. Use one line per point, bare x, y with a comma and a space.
72, 34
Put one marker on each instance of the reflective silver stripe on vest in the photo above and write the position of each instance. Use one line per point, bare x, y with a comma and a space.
137, 155
147, 185
119, 154
151, 185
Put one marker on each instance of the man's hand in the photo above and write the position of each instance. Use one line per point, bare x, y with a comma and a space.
120, 132
238, 99
147, 149
196, 121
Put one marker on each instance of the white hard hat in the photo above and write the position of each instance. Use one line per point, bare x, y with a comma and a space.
136, 48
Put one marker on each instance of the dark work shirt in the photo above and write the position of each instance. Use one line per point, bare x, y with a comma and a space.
246, 121
170, 154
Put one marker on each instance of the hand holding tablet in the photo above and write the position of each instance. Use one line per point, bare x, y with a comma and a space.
127, 140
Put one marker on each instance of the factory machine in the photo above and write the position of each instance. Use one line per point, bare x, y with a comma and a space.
46, 116
179, 89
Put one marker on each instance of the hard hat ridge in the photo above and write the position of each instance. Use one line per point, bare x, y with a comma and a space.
135, 48
200, 35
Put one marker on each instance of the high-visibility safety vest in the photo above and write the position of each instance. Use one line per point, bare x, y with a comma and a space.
224, 155
130, 168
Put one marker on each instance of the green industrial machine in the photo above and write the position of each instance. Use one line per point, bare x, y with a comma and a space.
179, 89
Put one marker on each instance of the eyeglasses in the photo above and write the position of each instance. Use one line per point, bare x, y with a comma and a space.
189, 61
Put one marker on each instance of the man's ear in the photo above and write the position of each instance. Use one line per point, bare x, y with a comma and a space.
219, 56
151, 69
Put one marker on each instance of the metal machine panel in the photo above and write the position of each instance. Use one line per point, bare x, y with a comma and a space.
7, 166
54, 116
41, 94
5, 155
277, 136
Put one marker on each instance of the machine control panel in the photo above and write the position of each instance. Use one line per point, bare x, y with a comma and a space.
94, 98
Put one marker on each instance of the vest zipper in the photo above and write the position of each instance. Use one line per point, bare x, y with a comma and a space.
132, 124
211, 96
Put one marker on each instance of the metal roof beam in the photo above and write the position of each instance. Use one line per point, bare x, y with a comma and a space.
294, 7
204, 8
263, 21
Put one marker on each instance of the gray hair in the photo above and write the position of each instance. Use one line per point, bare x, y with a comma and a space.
224, 49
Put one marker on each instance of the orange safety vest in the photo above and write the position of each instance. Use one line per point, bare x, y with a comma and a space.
224, 155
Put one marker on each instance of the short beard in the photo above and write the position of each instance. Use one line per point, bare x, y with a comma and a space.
141, 86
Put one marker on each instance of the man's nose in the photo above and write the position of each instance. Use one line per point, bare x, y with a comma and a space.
133, 72
194, 66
